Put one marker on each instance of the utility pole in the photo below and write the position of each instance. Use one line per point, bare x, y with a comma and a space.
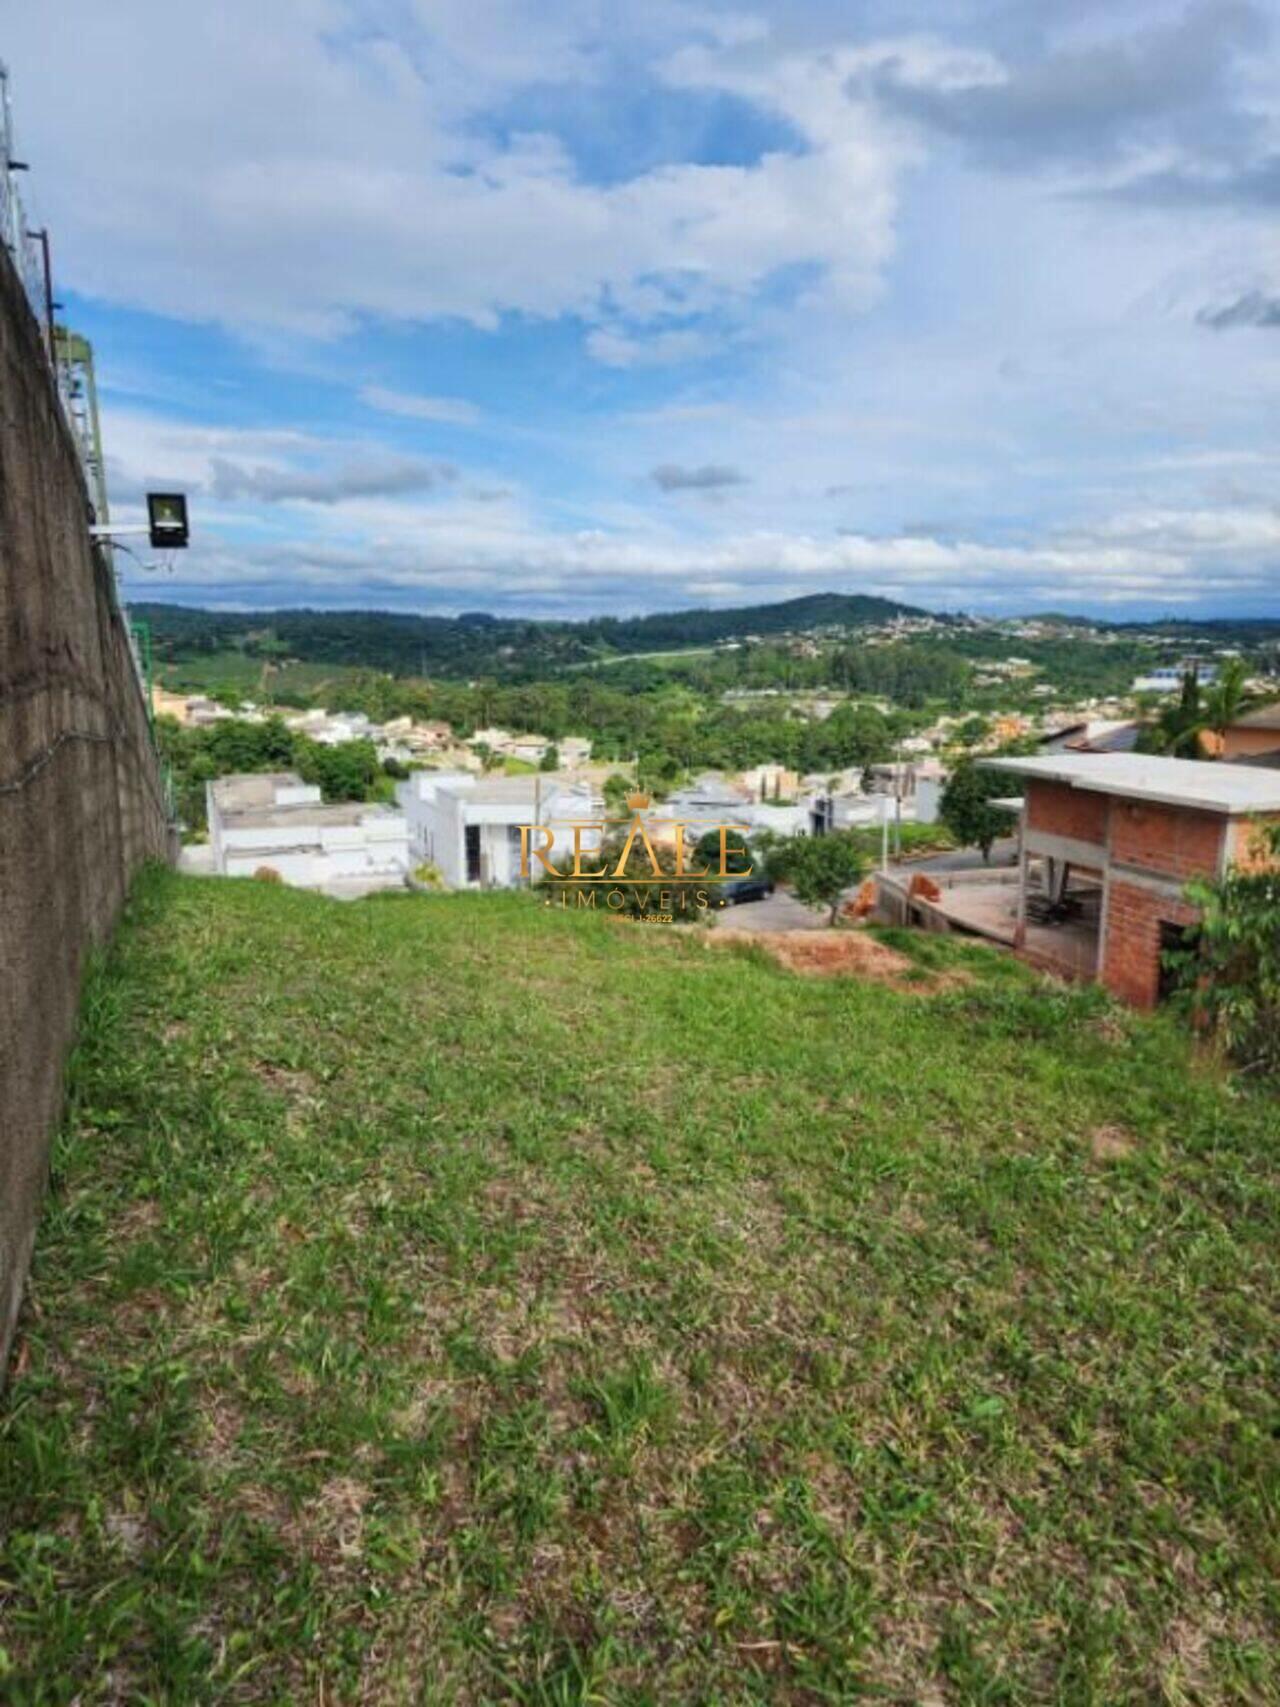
884, 832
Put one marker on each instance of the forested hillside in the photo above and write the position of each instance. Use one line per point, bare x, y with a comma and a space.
477, 643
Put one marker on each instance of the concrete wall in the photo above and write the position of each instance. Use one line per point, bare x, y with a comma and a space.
81, 805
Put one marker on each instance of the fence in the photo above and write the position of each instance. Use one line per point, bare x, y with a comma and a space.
69, 355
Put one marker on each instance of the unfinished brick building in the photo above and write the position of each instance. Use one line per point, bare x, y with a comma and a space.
1108, 844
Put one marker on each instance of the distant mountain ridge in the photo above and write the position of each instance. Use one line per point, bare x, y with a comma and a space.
477, 641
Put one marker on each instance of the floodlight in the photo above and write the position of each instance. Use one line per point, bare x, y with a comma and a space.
167, 514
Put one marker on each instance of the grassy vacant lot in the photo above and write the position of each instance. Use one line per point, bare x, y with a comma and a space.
445, 1300
253, 677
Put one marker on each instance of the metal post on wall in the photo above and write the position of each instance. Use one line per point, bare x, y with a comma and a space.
142, 640
42, 237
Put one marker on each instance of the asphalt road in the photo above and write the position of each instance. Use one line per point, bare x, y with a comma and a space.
777, 912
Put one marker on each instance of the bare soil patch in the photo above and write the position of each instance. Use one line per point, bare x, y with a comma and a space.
834, 954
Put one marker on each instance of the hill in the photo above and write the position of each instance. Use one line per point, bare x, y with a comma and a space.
442, 1299
478, 643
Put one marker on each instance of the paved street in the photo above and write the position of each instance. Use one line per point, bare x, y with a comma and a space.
777, 912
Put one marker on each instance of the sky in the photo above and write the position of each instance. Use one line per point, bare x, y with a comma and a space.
559, 307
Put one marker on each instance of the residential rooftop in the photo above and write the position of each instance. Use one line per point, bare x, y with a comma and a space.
1198, 785
504, 790
251, 802
252, 792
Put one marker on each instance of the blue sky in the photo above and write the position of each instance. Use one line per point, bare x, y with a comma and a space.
563, 306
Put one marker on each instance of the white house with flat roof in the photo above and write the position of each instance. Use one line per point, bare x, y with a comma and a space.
469, 826
711, 801
277, 822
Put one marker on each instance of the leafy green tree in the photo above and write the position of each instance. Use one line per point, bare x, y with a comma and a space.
616, 790
821, 868
1231, 974
1181, 724
1178, 725
550, 760
346, 772
706, 854
1226, 700
966, 807
972, 731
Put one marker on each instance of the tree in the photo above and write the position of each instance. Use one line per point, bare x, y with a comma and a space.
707, 852
1180, 726
972, 731
1224, 702
966, 809
821, 868
550, 760
1231, 972
345, 772
616, 790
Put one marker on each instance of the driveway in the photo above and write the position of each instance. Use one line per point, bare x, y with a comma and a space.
777, 912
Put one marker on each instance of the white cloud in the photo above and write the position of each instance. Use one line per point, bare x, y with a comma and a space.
913, 332
351, 520
450, 411
613, 348
289, 170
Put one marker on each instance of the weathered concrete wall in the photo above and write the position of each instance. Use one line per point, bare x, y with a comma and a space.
81, 803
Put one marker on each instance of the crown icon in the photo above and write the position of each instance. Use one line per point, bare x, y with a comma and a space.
637, 802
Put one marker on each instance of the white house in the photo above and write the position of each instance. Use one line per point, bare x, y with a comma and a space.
496, 740
345, 726
770, 782
277, 822
1169, 677
529, 749
469, 826
711, 801
574, 750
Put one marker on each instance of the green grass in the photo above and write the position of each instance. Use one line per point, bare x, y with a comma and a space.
672, 655
441, 1300
254, 678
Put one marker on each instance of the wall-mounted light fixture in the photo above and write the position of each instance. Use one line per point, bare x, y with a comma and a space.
167, 516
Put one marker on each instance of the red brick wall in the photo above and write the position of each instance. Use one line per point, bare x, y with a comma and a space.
1166, 839
1131, 952
1247, 848
1060, 810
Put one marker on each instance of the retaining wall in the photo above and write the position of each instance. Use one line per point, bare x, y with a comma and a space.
81, 800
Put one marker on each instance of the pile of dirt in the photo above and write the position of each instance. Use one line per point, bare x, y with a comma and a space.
831, 954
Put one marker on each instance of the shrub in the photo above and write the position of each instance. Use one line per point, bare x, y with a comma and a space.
967, 810
821, 868
1230, 974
